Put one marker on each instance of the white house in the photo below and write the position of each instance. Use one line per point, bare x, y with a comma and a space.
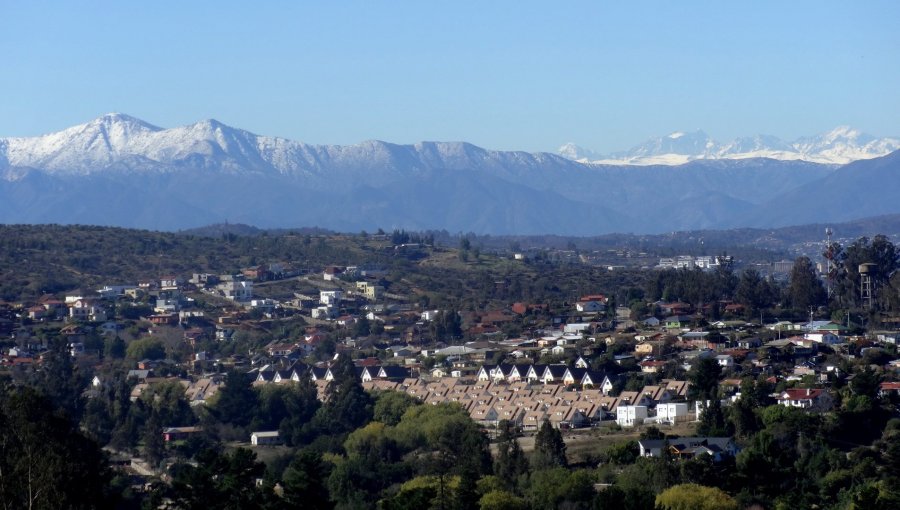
87, 310
629, 416
330, 297
823, 338
814, 399
578, 327
239, 290
672, 412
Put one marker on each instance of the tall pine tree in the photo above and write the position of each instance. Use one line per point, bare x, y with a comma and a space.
510, 464
549, 448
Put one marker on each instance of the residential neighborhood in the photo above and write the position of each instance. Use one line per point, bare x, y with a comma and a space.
639, 364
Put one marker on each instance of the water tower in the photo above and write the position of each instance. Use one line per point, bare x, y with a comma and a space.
865, 283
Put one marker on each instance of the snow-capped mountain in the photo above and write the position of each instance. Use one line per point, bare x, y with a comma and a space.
839, 146
118, 170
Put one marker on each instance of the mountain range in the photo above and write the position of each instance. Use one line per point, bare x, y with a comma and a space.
118, 170
839, 146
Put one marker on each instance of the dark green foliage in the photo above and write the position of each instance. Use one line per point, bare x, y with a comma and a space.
712, 420
644, 479
446, 326
704, 378
300, 404
114, 348
549, 448
742, 414
220, 482
362, 327
60, 381
146, 348
347, 406
691, 285
304, 482
623, 453
390, 406
755, 292
510, 465
237, 401
560, 488
805, 289
45, 462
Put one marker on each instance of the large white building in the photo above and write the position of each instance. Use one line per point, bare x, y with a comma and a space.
331, 297
629, 416
240, 290
672, 412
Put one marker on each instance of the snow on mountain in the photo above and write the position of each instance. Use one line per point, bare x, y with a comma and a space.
122, 171
116, 143
840, 146
577, 153
96, 143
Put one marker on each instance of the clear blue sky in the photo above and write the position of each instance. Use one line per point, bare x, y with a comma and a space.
501, 74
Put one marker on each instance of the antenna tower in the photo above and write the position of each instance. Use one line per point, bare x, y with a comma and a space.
830, 268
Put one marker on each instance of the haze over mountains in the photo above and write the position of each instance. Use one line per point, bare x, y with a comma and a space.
839, 146
118, 170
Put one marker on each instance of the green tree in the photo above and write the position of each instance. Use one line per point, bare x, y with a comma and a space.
742, 414
45, 462
60, 380
114, 347
754, 291
236, 403
363, 327
301, 403
501, 500
805, 289
347, 406
391, 405
623, 453
146, 348
704, 378
712, 420
154, 447
449, 444
304, 482
558, 487
647, 477
510, 464
691, 496
219, 481
549, 447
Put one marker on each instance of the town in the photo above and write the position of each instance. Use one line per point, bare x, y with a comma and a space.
690, 358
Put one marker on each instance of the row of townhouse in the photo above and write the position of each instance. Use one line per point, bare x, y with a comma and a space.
546, 374
528, 405
269, 374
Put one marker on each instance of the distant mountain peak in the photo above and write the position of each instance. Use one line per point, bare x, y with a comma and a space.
839, 146
121, 119
119, 170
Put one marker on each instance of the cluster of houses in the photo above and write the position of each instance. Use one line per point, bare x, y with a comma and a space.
524, 394
348, 294
690, 262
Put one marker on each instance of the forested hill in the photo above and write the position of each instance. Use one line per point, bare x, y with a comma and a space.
39, 259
